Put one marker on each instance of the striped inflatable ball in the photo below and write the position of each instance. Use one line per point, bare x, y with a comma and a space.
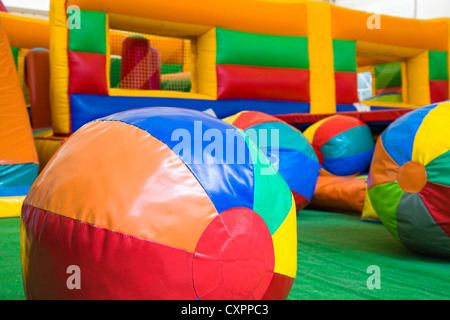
145, 205
287, 148
409, 180
344, 144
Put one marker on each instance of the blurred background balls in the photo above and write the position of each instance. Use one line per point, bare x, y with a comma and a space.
286, 147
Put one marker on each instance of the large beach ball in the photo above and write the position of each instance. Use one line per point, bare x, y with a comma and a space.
343, 144
286, 147
159, 203
409, 180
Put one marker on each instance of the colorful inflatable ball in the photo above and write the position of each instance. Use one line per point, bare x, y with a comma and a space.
143, 205
409, 180
286, 147
344, 144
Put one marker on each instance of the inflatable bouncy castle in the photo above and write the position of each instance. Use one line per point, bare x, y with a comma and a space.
299, 60
162, 228
312, 57
124, 75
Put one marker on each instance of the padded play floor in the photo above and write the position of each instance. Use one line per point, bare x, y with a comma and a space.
334, 253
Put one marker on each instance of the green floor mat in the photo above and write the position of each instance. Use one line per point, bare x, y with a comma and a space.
334, 253
336, 250
10, 272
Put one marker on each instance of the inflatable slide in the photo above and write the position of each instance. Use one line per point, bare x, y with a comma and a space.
18, 156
